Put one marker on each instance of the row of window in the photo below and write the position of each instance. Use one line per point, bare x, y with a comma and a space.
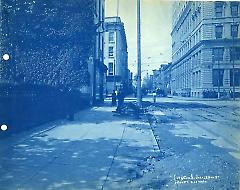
110, 68
235, 52
111, 37
219, 8
190, 63
219, 31
195, 38
182, 82
110, 51
196, 79
217, 53
217, 77
186, 79
188, 26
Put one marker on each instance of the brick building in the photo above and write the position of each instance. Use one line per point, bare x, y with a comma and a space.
115, 54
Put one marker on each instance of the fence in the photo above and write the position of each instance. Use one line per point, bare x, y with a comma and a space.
26, 106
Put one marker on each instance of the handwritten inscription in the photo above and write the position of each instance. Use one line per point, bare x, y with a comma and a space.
194, 179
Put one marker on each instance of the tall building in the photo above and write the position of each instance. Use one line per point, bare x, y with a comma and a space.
115, 54
205, 48
96, 68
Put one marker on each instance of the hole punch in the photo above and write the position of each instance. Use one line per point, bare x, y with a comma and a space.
4, 127
6, 57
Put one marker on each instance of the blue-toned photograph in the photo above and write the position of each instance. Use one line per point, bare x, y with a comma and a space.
119, 94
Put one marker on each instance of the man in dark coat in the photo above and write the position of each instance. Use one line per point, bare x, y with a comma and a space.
114, 98
120, 97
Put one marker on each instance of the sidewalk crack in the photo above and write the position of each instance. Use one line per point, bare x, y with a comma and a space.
114, 156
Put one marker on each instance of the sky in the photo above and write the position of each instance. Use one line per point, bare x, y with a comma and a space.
155, 31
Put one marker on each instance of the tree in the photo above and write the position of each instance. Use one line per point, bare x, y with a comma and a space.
147, 83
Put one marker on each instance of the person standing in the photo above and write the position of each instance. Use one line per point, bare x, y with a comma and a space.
120, 97
154, 96
114, 98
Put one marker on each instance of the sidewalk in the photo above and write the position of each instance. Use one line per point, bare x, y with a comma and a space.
96, 151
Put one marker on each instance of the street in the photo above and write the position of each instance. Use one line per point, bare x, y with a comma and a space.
198, 138
180, 144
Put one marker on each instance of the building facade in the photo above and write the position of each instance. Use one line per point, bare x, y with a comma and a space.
115, 54
162, 78
96, 66
158, 78
205, 48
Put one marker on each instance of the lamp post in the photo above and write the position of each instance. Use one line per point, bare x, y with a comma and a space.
139, 96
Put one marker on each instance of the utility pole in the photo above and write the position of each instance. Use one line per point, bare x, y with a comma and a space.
114, 75
218, 80
233, 56
117, 7
139, 96
233, 72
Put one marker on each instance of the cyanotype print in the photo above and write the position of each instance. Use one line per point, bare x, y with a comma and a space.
119, 94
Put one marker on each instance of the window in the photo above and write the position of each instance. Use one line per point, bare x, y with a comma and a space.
218, 31
218, 54
110, 68
234, 31
111, 37
234, 8
235, 53
110, 52
217, 77
236, 77
218, 9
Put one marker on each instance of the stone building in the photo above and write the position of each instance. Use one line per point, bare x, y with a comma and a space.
96, 66
205, 48
115, 54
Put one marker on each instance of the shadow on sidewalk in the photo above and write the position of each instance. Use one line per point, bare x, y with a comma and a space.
55, 163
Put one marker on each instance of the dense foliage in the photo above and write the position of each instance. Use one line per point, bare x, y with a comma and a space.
49, 41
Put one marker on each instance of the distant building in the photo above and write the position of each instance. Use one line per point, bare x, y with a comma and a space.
205, 48
162, 78
157, 79
115, 54
167, 78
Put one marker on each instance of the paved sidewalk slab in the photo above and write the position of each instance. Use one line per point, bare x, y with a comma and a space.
95, 151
